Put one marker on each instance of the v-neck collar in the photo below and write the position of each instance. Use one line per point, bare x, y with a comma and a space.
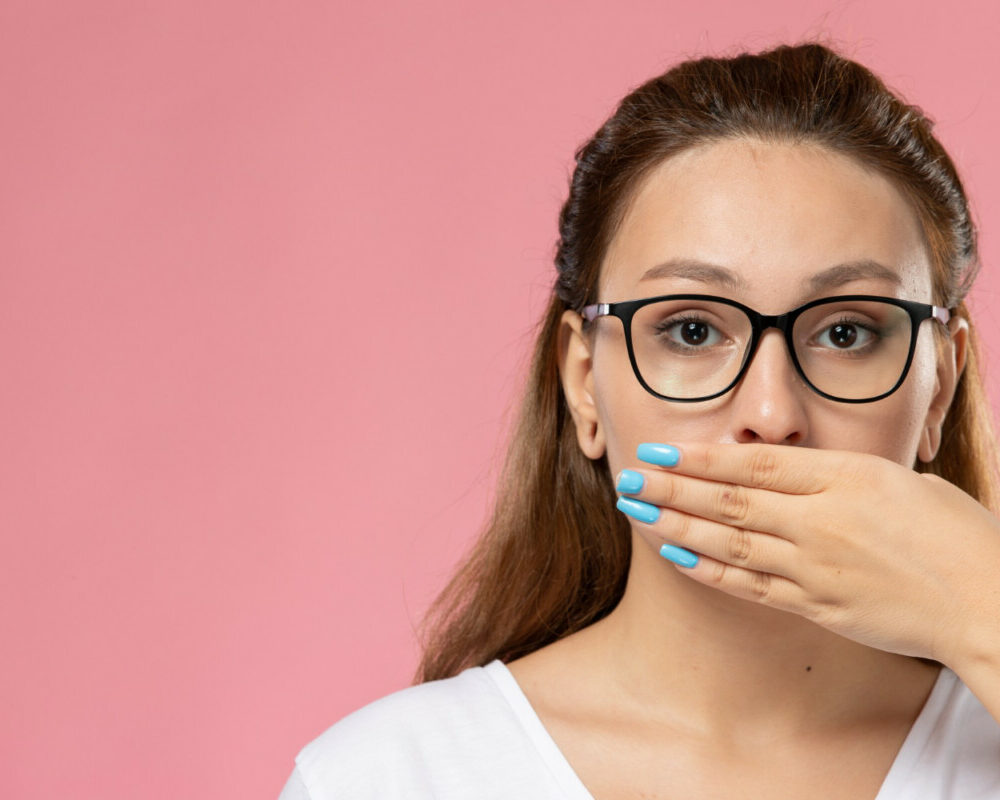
574, 789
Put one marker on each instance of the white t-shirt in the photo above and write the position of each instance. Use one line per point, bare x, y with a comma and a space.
476, 736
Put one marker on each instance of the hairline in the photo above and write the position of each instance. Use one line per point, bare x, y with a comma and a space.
817, 142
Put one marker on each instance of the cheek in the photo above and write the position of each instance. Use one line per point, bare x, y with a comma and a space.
623, 407
891, 427
922, 386
629, 415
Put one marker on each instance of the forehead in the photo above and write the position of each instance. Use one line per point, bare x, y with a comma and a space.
776, 215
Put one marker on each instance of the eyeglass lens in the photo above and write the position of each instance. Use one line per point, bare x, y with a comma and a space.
853, 350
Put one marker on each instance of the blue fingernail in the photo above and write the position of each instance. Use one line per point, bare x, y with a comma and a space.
663, 455
643, 512
679, 555
629, 481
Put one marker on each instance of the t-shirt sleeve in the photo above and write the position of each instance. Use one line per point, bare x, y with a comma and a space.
295, 788
450, 739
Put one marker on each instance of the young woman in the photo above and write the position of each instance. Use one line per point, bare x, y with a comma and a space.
743, 545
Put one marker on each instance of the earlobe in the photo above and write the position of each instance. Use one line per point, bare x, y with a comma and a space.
950, 365
576, 374
930, 441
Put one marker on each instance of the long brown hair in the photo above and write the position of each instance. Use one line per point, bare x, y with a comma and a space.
554, 556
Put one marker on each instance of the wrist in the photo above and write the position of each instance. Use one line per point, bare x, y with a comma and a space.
978, 667
976, 653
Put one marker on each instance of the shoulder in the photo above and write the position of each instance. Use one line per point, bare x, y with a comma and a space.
444, 738
953, 750
408, 721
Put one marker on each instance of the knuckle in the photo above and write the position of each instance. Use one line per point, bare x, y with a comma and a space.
734, 504
738, 546
672, 492
682, 530
762, 468
760, 585
708, 461
719, 573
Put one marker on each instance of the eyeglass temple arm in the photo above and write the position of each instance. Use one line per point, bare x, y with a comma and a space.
590, 313
942, 315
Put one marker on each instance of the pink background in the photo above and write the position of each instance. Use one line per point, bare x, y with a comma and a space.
268, 275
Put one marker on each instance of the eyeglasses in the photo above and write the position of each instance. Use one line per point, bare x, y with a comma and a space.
691, 347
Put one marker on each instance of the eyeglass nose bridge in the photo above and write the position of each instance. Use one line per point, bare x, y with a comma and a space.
761, 323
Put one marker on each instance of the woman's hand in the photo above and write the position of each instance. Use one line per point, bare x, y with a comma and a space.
869, 549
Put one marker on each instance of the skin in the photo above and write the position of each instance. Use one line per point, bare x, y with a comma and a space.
825, 561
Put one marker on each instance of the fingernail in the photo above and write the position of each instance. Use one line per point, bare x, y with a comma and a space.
679, 555
663, 455
644, 512
629, 481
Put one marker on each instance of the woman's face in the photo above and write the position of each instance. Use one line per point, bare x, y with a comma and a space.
771, 226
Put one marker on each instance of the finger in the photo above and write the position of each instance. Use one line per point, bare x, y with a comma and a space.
793, 470
727, 503
752, 550
758, 587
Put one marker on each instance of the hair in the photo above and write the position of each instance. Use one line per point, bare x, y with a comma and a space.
554, 555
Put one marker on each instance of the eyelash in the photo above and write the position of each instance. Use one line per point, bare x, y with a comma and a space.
666, 325
683, 319
858, 323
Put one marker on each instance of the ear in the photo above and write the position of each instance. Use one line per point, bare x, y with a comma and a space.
577, 376
951, 362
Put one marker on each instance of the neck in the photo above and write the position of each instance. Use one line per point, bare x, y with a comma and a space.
678, 649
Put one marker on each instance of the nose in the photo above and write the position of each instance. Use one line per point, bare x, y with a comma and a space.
768, 404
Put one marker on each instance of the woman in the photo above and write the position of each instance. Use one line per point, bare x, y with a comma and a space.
742, 547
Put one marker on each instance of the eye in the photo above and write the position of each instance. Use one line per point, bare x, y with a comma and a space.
846, 334
690, 332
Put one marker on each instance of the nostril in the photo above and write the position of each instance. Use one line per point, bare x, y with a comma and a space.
751, 436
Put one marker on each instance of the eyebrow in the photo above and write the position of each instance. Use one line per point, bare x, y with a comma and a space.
696, 271
853, 271
701, 271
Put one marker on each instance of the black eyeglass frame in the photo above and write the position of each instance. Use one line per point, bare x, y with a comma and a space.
761, 322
